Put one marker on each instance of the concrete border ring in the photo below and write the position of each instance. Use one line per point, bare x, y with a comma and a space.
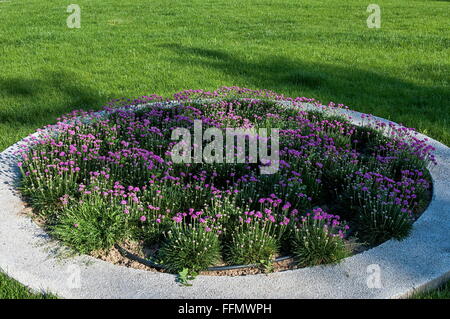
395, 269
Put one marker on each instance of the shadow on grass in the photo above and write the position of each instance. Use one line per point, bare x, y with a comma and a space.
41, 101
355, 87
19, 86
33, 102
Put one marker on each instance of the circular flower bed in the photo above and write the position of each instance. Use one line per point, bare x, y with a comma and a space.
97, 179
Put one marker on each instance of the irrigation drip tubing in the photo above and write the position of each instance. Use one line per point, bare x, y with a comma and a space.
150, 263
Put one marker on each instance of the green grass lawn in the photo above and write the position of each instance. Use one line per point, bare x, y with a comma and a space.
442, 292
320, 49
11, 289
129, 48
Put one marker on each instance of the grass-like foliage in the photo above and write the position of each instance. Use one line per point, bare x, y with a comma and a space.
91, 224
102, 178
442, 292
318, 239
376, 227
251, 245
382, 205
190, 247
87, 226
11, 289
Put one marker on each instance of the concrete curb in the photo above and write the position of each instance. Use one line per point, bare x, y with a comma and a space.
420, 262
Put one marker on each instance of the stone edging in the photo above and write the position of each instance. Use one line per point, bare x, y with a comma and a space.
420, 262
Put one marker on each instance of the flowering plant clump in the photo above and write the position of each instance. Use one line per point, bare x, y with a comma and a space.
318, 239
190, 247
385, 206
101, 178
258, 235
